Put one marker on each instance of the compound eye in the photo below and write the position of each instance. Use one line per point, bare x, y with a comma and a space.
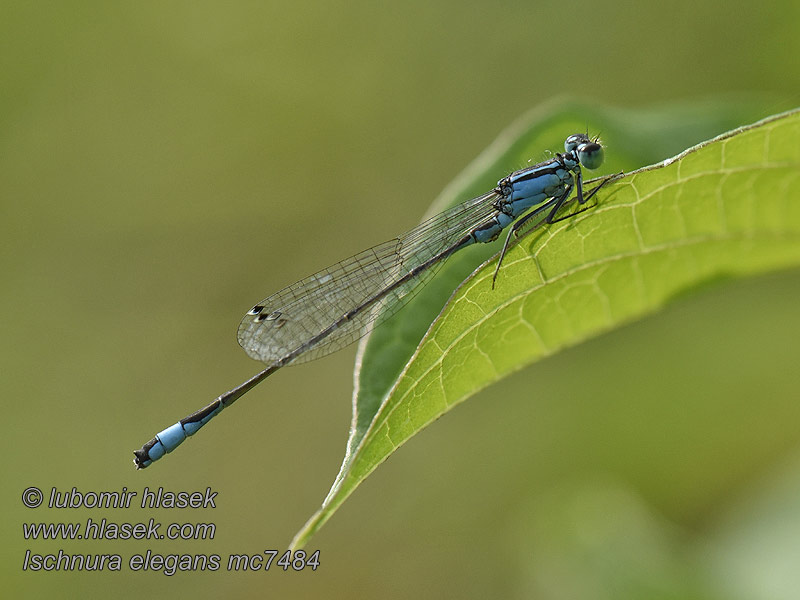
574, 141
591, 154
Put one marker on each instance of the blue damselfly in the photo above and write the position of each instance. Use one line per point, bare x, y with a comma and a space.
336, 306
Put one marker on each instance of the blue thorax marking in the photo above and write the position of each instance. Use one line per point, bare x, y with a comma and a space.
525, 189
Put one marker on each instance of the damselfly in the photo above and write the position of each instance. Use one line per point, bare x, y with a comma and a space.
333, 308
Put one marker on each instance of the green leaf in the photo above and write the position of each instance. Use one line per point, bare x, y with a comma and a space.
725, 208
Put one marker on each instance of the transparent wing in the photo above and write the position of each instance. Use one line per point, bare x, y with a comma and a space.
289, 318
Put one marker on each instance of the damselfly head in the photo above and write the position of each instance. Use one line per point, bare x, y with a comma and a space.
590, 152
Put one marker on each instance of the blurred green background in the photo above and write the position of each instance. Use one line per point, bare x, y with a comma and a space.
165, 165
